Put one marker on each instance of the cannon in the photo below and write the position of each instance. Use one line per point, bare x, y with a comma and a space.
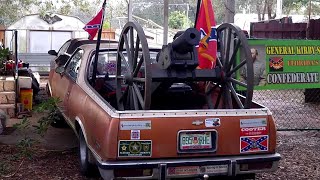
143, 84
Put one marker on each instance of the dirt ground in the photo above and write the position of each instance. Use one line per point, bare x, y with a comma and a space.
55, 155
299, 150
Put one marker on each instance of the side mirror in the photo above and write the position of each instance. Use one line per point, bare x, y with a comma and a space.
59, 70
53, 52
62, 59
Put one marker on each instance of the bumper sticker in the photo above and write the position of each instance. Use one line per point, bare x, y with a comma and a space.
259, 122
253, 131
212, 122
135, 125
135, 134
250, 144
137, 148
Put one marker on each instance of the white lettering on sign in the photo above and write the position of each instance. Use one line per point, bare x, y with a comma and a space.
253, 129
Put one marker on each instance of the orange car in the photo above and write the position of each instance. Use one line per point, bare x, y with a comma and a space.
157, 143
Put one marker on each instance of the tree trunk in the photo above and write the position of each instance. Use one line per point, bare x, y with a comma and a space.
264, 9
229, 11
261, 12
269, 9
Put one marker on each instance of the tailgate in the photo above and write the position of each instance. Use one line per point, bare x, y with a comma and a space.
190, 133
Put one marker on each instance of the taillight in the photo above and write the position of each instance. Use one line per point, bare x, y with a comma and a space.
132, 172
256, 166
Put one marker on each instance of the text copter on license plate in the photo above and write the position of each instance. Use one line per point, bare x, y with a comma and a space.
197, 140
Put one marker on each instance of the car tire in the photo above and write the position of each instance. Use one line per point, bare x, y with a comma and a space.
87, 168
59, 122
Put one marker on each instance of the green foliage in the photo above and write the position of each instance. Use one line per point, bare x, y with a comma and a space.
177, 20
219, 11
106, 25
49, 106
293, 5
25, 144
25, 147
23, 125
4, 167
11, 11
4, 53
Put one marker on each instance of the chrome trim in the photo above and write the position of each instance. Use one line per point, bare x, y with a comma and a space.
193, 113
197, 151
49, 88
96, 155
106, 168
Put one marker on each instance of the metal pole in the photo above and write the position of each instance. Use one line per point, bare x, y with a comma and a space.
16, 69
198, 8
165, 21
130, 11
95, 62
187, 13
309, 16
279, 9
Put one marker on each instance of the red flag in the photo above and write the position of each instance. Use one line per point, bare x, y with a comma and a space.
93, 26
207, 49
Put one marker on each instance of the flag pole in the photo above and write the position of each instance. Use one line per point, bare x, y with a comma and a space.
198, 8
95, 62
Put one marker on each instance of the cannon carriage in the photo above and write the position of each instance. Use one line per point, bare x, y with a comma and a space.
143, 84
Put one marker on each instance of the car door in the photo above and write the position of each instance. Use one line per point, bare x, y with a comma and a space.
53, 76
68, 79
72, 68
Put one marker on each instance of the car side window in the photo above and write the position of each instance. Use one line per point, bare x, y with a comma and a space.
64, 48
74, 64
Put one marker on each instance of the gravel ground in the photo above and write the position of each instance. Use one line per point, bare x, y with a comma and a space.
299, 150
300, 156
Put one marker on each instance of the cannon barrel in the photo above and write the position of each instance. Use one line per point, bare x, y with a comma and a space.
186, 41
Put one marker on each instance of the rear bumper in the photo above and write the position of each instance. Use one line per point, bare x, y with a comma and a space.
160, 166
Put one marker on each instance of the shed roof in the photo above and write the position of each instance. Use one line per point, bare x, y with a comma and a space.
48, 22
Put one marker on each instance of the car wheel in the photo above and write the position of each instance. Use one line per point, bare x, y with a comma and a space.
87, 168
59, 122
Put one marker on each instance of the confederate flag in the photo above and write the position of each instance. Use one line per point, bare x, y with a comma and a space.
207, 49
93, 26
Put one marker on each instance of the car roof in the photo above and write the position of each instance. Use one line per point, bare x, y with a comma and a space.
77, 42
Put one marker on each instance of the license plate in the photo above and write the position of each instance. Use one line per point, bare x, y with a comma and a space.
195, 140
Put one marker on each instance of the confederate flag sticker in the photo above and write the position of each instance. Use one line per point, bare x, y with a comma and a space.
249, 144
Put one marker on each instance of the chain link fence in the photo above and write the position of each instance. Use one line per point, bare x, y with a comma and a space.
292, 109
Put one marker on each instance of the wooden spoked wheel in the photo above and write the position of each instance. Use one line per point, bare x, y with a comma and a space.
133, 78
231, 40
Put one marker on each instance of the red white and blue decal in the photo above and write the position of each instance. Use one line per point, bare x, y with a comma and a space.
250, 144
